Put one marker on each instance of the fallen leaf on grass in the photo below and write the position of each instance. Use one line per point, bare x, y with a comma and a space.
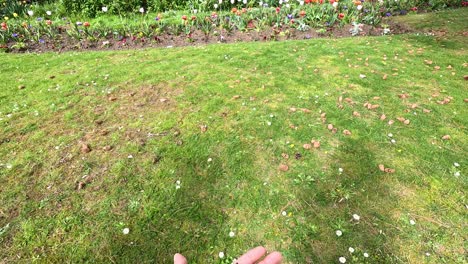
465, 100
283, 167
346, 132
387, 170
285, 156
426, 110
445, 101
112, 99
305, 110
356, 114
236, 97
446, 137
437, 68
292, 109
406, 122
315, 143
163, 100
401, 119
307, 146
107, 148
330, 126
381, 167
390, 122
428, 62
385, 77
203, 128
383, 117
403, 96
85, 148
21, 87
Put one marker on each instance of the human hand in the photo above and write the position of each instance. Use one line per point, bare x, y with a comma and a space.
251, 257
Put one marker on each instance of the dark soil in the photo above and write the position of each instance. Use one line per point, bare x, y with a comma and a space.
65, 43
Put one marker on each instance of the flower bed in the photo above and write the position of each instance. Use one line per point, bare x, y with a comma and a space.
38, 29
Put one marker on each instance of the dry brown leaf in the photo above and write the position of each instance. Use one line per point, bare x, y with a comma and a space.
428, 62
163, 100
357, 114
340, 106
346, 132
107, 148
315, 143
322, 115
203, 128
305, 110
403, 96
465, 100
383, 117
330, 126
388, 170
446, 137
292, 126
401, 119
426, 110
334, 130
437, 68
374, 106
285, 156
292, 109
112, 99
406, 122
236, 97
385, 77
390, 122
85, 148
340, 99
307, 146
376, 98
413, 106
283, 167
381, 167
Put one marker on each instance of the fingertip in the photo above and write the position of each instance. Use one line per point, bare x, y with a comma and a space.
272, 258
179, 259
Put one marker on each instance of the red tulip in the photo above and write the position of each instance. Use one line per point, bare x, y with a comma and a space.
302, 13
278, 9
341, 16
184, 17
48, 22
86, 24
194, 17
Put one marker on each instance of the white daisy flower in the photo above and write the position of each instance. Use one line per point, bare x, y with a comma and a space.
126, 230
456, 164
232, 234
284, 213
356, 217
366, 255
104, 9
142, 10
221, 254
342, 260
338, 233
48, 13
351, 250
30, 13
412, 222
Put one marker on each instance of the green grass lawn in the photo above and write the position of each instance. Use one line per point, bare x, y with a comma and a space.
95, 142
